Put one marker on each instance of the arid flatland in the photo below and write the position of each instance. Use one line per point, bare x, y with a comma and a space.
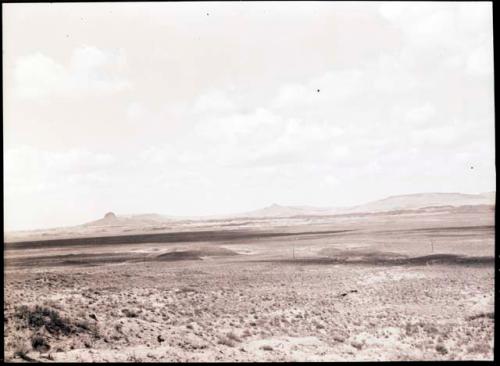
414, 286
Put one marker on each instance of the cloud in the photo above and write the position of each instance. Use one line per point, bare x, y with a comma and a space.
333, 86
28, 169
262, 137
340, 105
42, 185
420, 115
350, 121
137, 112
480, 60
91, 71
445, 135
216, 101
423, 23
319, 120
457, 35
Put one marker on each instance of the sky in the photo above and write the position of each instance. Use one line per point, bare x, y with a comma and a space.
216, 108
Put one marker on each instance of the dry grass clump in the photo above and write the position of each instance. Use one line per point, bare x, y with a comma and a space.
41, 327
39, 316
39, 343
21, 350
130, 313
478, 347
441, 349
229, 340
482, 315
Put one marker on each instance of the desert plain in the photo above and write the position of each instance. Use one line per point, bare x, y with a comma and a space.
396, 285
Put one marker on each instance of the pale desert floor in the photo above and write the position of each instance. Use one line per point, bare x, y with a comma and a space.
309, 292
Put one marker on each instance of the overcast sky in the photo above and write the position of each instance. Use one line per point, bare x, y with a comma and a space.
210, 108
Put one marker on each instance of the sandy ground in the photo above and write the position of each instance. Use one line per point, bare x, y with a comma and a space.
380, 291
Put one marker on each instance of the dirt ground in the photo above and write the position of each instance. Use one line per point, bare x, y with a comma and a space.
384, 287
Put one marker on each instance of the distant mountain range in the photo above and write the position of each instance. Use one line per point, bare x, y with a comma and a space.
110, 219
421, 200
392, 203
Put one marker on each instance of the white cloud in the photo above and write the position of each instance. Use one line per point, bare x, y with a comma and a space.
442, 135
91, 71
332, 180
423, 23
333, 107
421, 115
29, 169
264, 136
38, 74
480, 60
215, 101
449, 34
137, 112
333, 86
90, 58
232, 128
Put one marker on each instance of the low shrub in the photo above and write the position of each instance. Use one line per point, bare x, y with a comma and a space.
441, 349
39, 344
226, 342
42, 316
130, 313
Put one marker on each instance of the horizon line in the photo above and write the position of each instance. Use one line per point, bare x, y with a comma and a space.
242, 212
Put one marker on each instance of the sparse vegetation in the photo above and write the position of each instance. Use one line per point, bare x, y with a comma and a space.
226, 341
253, 307
441, 349
130, 313
21, 350
44, 317
39, 343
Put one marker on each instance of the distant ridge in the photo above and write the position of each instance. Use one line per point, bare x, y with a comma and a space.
393, 203
421, 200
413, 201
110, 219
407, 202
276, 210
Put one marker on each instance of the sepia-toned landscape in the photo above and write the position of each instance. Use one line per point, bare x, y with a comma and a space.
248, 181
405, 284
